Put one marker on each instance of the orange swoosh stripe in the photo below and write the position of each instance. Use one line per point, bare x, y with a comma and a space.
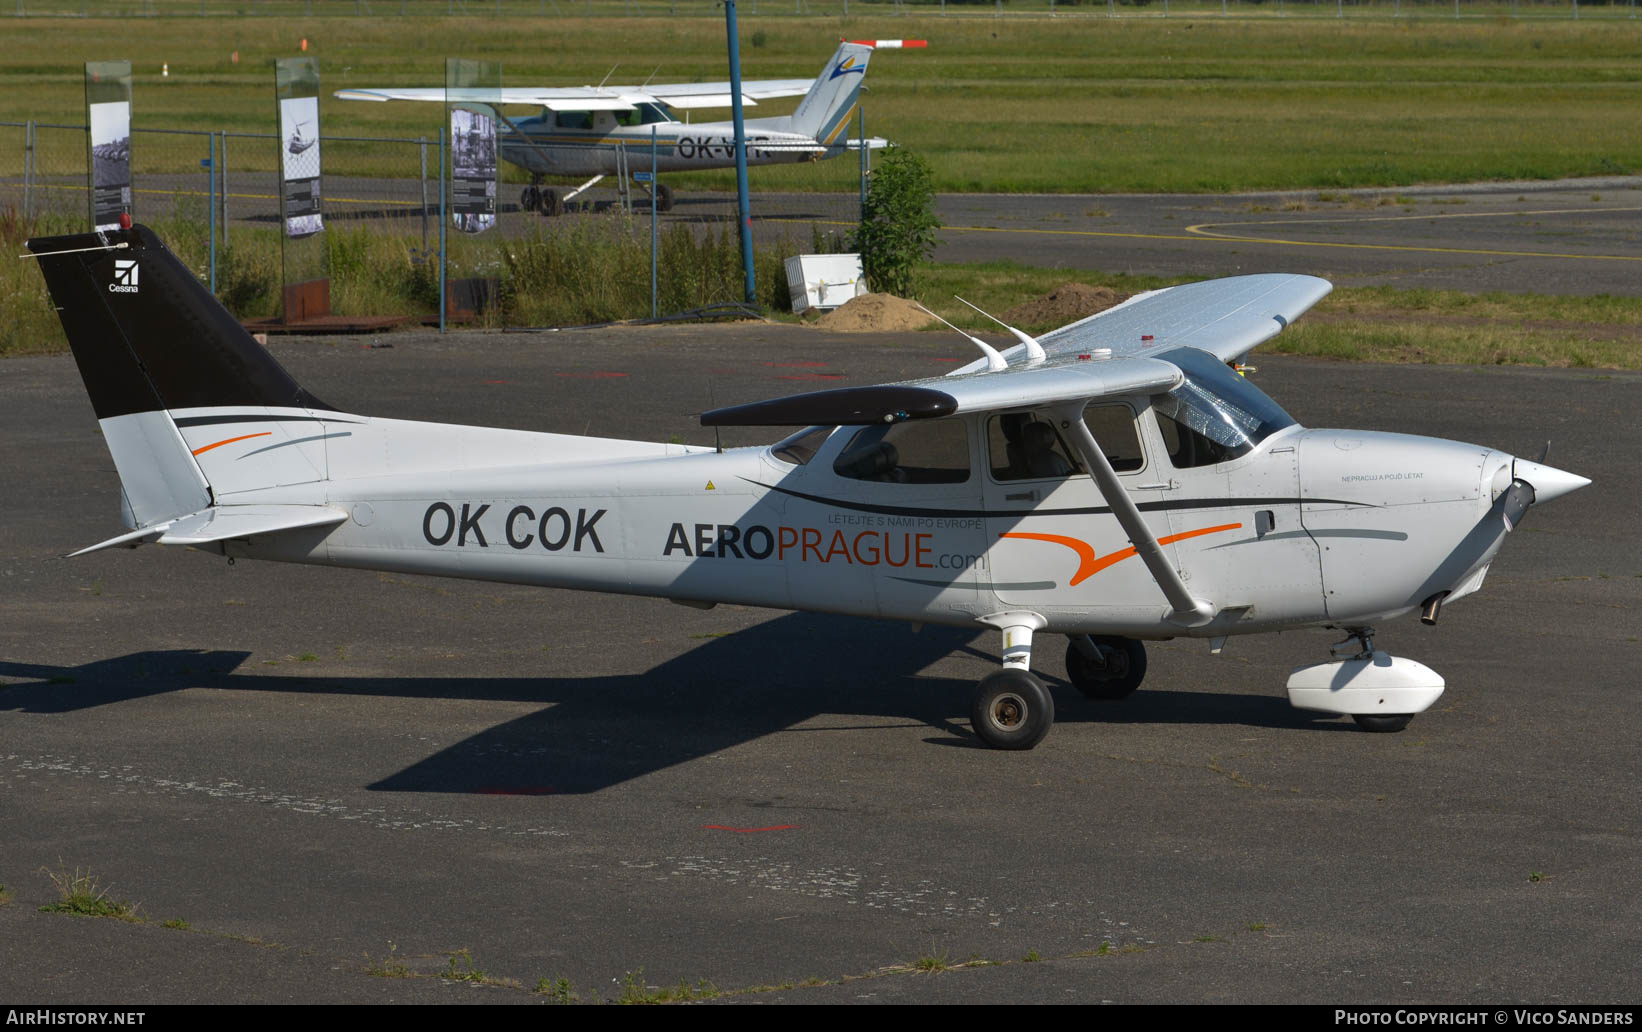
231, 440
1090, 564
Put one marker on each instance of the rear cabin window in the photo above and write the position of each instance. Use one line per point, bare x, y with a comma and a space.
1032, 445
801, 447
932, 451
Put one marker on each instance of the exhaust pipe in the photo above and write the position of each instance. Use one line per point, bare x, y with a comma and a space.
1431, 608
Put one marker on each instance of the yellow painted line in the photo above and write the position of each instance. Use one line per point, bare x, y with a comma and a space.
275, 197
1205, 230
1428, 217
244, 196
1200, 234
1078, 232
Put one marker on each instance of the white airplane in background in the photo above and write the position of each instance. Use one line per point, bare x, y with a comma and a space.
1113, 482
604, 130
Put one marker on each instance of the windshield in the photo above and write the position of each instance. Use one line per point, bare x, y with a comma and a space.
1220, 404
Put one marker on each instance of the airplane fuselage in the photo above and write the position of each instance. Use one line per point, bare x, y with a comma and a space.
542, 148
1312, 527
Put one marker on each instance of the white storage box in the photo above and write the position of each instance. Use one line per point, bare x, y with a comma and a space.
824, 281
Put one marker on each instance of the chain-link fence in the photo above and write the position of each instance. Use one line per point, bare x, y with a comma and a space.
823, 8
215, 199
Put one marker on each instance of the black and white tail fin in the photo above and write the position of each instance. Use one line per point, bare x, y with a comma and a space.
174, 378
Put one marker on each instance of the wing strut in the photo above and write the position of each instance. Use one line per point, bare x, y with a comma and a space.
1187, 610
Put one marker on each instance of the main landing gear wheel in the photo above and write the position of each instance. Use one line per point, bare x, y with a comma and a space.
529, 199
1012, 710
1125, 668
663, 199
1382, 723
550, 204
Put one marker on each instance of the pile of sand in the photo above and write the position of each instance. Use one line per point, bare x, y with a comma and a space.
1068, 302
874, 313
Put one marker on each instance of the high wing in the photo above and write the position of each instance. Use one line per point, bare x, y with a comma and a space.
595, 98
1065, 379
1227, 318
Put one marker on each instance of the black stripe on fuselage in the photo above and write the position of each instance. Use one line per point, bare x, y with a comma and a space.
214, 420
1089, 510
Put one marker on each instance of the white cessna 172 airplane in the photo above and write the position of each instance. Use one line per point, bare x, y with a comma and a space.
1114, 482
602, 130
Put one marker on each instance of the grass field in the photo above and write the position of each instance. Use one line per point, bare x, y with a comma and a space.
1014, 104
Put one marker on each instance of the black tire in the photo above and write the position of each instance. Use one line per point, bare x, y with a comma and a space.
1125, 669
529, 198
551, 203
1012, 710
1382, 723
664, 197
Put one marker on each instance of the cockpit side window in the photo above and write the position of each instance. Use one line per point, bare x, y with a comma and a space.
1032, 446
574, 119
655, 111
1189, 449
801, 447
934, 451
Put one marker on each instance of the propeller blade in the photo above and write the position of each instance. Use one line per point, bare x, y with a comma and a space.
1516, 500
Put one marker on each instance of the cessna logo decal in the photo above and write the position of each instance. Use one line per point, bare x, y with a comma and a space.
1090, 564
125, 276
552, 530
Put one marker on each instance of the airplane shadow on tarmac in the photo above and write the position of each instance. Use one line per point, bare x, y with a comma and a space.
601, 731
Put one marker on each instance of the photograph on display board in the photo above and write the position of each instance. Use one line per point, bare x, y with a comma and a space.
299, 131
473, 144
111, 144
110, 162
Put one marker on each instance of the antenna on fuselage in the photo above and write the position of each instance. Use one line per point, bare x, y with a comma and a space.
712, 403
607, 76
647, 78
1034, 350
994, 361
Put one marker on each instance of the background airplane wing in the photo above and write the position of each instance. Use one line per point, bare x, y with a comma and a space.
683, 95
562, 98
1225, 317
595, 98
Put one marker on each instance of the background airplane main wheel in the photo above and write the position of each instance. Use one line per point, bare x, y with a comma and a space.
551, 204
664, 197
1125, 668
529, 198
1012, 710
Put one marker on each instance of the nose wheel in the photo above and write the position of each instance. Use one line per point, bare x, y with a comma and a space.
1012, 709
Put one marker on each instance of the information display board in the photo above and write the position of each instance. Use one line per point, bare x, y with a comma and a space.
472, 95
304, 256
297, 88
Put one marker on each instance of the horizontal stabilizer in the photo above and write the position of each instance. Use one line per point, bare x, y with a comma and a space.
223, 522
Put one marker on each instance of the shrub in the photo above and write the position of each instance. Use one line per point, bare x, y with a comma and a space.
898, 221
